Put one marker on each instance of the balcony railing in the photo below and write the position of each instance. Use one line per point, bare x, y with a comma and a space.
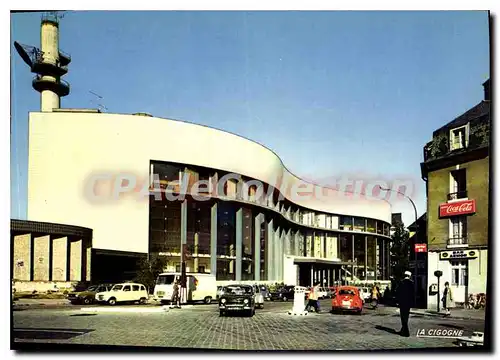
457, 195
458, 240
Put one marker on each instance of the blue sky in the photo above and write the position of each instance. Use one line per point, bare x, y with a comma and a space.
332, 93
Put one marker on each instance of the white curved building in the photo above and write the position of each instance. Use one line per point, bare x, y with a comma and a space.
264, 223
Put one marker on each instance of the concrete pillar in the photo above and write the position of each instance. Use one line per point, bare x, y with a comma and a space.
41, 258
296, 243
270, 251
22, 257
60, 259
257, 224
239, 242
277, 253
88, 259
213, 239
195, 252
75, 261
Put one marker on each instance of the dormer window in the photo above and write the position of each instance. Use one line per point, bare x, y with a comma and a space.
459, 138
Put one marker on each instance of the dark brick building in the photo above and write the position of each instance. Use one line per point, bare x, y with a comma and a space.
456, 171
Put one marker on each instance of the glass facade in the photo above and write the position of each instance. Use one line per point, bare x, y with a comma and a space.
371, 257
359, 256
247, 267
367, 255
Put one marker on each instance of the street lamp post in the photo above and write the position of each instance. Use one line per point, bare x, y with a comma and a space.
416, 232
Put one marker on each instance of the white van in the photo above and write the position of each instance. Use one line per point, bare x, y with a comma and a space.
200, 287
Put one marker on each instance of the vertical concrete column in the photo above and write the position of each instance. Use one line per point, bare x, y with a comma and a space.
296, 243
270, 251
22, 257
352, 257
60, 259
195, 252
239, 242
41, 258
366, 258
75, 260
257, 224
183, 233
213, 239
88, 259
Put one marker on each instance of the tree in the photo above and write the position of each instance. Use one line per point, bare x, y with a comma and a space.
400, 251
149, 269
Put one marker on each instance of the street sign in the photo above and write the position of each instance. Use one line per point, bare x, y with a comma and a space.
420, 248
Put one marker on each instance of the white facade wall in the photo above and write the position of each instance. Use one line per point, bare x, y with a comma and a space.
477, 276
67, 150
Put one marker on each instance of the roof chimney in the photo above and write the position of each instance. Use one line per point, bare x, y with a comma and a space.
486, 86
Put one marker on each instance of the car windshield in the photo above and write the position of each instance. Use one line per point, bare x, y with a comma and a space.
346, 292
117, 287
165, 280
238, 290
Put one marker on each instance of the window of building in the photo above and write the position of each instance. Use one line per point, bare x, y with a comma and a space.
371, 225
459, 138
201, 269
359, 224
458, 184
346, 223
458, 230
459, 273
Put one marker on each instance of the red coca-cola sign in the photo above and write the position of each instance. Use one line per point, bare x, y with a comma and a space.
457, 208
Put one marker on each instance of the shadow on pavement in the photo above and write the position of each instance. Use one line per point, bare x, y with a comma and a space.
83, 314
452, 326
386, 329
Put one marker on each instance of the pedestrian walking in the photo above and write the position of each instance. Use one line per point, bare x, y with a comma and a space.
375, 294
405, 297
313, 298
175, 294
447, 298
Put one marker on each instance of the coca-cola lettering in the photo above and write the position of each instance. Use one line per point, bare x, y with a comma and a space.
457, 208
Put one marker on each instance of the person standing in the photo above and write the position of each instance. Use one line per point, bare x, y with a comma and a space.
175, 294
405, 297
375, 294
447, 298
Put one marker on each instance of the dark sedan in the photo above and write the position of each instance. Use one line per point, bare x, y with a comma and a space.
284, 294
237, 298
87, 296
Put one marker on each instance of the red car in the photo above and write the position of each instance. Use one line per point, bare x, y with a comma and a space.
347, 298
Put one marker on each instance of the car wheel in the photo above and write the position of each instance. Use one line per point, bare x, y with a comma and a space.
87, 301
112, 301
142, 301
208, 300
262, 306
221, 313
285, 298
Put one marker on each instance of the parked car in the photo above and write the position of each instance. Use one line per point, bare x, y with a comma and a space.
365, 294
347, 298
219, 292
237, 298
284, 294
265, 292
87, 296
124, 293
323, 293
258, 297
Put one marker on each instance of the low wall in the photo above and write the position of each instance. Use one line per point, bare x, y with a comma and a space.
43, 286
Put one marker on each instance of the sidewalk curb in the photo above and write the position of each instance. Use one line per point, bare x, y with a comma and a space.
422, 313
125, 309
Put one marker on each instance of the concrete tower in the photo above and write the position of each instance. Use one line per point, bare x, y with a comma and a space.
49, 63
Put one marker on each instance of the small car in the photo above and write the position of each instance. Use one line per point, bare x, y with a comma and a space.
322, 293
365, 294
219, 292
347, 298
87, 296
265, 292
284, 294
125, 293
237, 298
258, 297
